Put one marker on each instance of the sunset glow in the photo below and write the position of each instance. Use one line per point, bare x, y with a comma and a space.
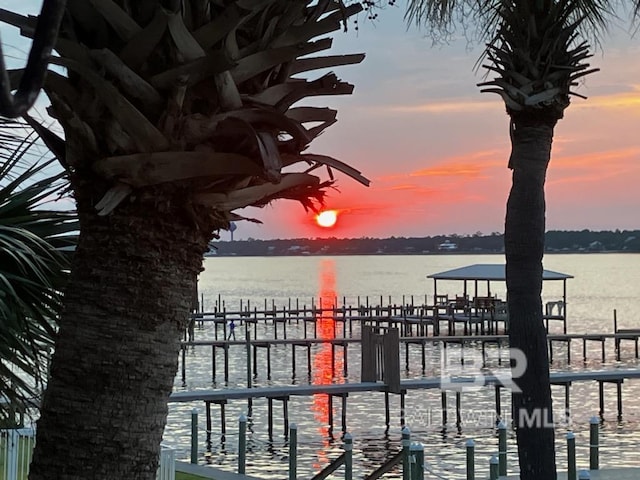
436, 149
327, 218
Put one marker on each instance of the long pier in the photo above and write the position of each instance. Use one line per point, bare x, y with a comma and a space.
456, 385
409, 342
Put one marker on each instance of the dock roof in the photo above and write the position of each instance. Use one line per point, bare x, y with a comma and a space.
485, 271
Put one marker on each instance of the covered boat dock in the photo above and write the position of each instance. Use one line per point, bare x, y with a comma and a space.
487, 311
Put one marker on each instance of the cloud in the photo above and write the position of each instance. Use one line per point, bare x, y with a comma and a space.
450, 106
629, 99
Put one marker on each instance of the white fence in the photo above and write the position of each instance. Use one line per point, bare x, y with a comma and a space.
167, 465
16, 447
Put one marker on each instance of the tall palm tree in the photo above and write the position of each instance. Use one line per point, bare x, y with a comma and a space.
175, 113
32, 269
537, 55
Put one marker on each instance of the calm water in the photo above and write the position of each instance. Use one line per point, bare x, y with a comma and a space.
602, 283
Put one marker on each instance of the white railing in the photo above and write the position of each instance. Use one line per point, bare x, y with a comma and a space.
167, 464
16, 446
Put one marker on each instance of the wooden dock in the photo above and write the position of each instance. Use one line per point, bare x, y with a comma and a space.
456, 385
409, 342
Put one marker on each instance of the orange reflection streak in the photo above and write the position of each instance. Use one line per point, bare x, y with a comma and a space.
325, 368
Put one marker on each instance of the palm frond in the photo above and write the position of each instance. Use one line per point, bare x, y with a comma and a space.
32, 269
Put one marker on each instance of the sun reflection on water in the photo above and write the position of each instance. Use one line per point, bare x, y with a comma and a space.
327, 360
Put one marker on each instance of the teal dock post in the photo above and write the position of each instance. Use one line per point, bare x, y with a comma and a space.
194, 436
471, 468
293, 451
571, 456
406, 454
584, 475
593, 443
502, 448
493, 468
417, 461
348, 456
242, 444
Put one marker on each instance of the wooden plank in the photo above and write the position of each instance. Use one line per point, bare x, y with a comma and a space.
391, 347
453, 383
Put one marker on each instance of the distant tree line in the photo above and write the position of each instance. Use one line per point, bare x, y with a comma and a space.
555, 241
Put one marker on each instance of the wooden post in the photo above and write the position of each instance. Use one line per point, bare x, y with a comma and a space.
594, 445
493, 468
226, 362
443, 401
223, 420
268, 361
270, 417
619, 395
387, 413
391, 368
293, 452
242, 444
601, 396
194, 436
184, 364
293, 360
471, 473
208, 416
502, 448
285, 414
417, 457
406, 444
348, 457
571, 456
344, 411
368, 354
247, 337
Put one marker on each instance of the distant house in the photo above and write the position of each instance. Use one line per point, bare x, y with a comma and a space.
447, 246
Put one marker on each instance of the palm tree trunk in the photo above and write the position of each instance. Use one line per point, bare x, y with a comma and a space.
524, 248
127, 306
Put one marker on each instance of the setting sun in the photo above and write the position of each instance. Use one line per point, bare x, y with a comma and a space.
327, 218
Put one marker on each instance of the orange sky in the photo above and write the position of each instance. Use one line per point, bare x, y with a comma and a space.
436, 149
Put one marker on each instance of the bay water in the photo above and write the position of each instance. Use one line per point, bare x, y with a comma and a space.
601, 283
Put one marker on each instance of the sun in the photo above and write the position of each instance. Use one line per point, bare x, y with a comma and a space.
327, 218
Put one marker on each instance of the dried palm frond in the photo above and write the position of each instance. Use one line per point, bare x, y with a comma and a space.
201, 97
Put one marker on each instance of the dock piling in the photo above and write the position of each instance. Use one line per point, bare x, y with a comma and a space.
348, 456
417, 461
594, 445
571, 456
471, 474
502, 448
293, 452
493, 468
194, 436
406, 445
242, 444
